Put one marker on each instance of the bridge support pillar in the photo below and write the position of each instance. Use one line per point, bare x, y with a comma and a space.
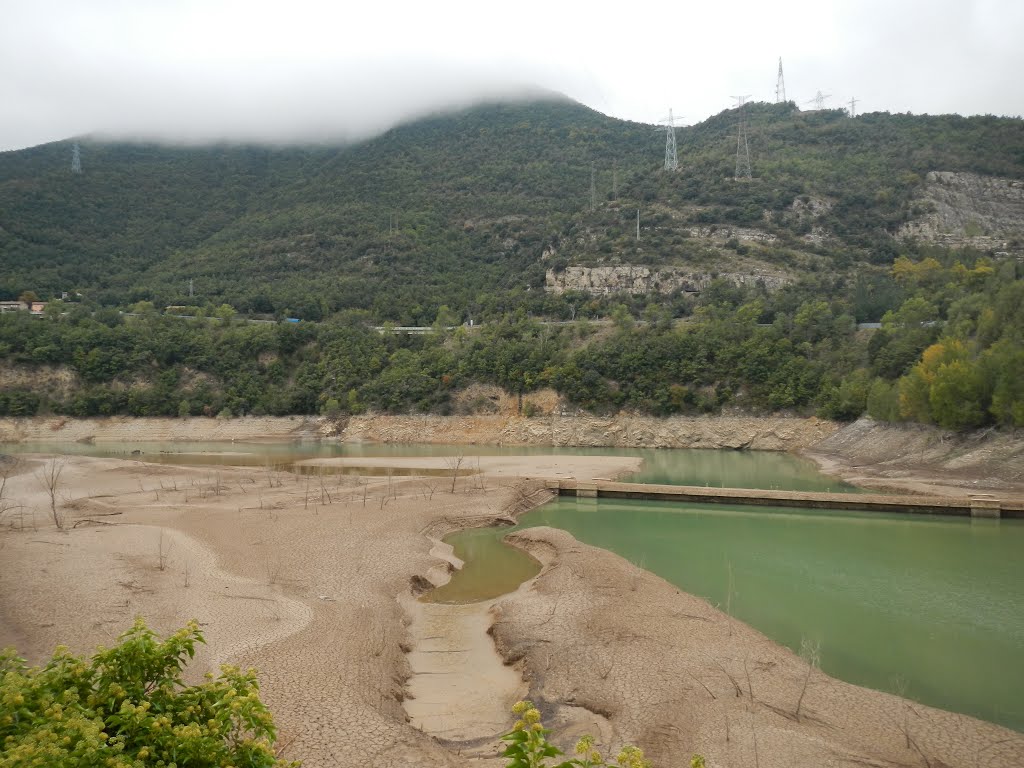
986, 507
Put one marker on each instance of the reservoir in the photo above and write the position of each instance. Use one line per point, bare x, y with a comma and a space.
929, 607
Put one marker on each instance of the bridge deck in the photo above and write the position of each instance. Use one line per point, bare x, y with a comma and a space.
980, 505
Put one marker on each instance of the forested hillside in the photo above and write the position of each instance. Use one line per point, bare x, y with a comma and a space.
430, 213
458, 218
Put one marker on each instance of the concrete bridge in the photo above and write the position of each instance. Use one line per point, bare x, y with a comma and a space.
977, 505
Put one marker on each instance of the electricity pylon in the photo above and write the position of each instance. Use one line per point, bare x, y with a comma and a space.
819, 100
780, 85
671, 157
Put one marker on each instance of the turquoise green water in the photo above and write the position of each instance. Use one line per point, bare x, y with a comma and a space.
935, 602
491, 568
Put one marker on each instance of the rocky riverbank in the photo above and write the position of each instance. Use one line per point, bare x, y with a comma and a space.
131, 429
923, 459
770, 433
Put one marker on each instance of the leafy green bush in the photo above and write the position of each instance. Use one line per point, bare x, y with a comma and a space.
528, 747
127, 707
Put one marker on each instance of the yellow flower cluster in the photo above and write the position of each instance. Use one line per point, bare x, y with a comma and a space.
585, 749
530, 719
633, 757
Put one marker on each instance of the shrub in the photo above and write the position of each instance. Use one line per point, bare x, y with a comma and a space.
127, 707
528, 747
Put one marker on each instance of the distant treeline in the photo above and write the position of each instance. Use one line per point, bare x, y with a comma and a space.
950, 352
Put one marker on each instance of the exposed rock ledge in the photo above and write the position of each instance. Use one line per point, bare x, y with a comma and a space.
637, 279
131, 429
917, 457
772, 433
966, 209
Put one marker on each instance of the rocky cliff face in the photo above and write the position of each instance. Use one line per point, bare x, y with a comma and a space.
720, 234
965, 209
639, 280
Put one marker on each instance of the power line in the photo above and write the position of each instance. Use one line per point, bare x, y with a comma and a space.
742, 148
780, 85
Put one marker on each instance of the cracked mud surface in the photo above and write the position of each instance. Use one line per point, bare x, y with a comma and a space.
297, 578
301, 579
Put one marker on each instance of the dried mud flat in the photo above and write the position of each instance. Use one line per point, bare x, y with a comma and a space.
309, 579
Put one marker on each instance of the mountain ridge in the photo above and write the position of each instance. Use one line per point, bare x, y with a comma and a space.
450, 206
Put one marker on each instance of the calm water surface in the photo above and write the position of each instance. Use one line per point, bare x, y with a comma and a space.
935, 601
735, 469
491, 568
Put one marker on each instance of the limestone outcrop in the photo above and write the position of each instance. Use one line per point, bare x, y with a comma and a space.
635, 279
968, 210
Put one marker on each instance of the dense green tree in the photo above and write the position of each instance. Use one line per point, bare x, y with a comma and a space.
128, 707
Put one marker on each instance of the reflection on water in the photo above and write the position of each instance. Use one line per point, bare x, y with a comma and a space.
491, 568
725, 468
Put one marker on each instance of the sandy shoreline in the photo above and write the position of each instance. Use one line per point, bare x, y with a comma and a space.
310, 583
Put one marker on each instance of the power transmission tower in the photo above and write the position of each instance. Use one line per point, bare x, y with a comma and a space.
76, 158
593, 188
819, 100
780, 85
615, 179
671, 158
742, 149
191, 288
853, 107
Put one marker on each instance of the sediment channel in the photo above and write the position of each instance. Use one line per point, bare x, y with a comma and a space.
461, 690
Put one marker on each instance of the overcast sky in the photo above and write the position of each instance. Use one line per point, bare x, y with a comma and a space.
198, 70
